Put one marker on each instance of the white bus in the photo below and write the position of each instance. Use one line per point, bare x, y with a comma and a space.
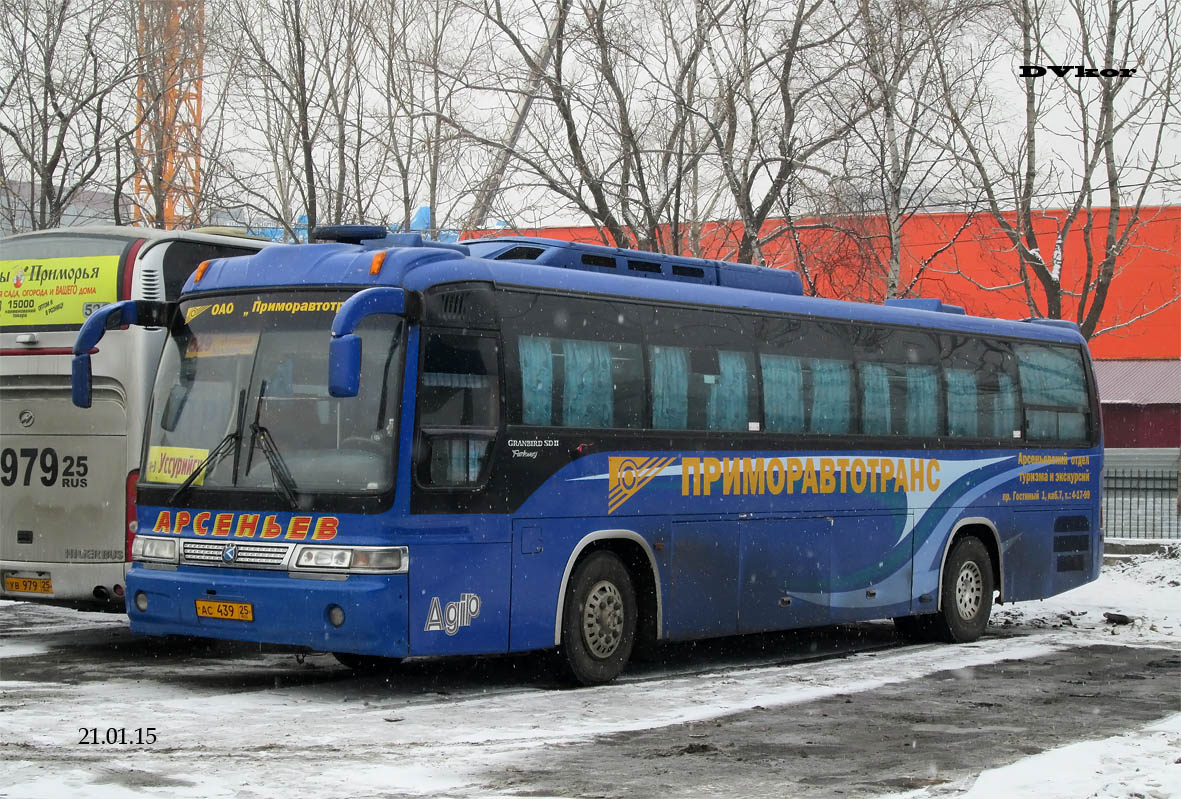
67, 477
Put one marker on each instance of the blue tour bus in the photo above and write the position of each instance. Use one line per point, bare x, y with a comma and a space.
384, 446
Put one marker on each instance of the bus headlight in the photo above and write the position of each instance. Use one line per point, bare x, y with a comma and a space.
323, 558
368, 560
154, 550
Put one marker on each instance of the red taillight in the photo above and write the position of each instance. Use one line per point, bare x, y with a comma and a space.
131, 524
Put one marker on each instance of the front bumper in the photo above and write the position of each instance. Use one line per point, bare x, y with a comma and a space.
287, 610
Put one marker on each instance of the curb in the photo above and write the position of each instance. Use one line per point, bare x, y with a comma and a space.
1125, 546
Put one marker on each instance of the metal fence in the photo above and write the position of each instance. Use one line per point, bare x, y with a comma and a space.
1141, 503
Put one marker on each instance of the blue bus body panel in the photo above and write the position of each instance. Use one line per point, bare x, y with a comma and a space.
460, 597
790, 553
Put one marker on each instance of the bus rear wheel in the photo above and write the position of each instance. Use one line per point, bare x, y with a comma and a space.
966, 596
598, 620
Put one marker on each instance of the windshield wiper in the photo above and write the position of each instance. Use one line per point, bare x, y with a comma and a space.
284, 482
280, 475
223, 446
221, 449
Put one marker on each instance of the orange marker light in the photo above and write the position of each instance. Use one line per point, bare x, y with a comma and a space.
200, 273
378, 260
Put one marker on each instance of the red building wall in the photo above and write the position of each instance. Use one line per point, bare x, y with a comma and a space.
1141, 425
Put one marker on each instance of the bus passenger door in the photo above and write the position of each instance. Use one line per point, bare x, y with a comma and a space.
785, 570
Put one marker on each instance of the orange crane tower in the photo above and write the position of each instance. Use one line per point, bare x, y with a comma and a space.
171, 39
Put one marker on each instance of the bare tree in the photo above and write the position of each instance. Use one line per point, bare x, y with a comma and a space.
892, 163
612, 134
294, 66
1115, 103
782, 100
67, 70
421, 78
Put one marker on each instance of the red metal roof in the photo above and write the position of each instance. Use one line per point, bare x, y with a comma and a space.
1139, 382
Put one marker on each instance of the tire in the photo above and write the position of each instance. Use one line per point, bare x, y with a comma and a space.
598, 621
966, 595
366, 664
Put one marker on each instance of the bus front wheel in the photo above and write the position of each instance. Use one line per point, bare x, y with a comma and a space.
966, 598
598, 620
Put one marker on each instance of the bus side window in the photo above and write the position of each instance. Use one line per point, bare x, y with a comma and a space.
458, 409
899, 382
711, 386
997, 386
577, 363
807, 371
1054, 392
830, 410
700, 389
963, 403
783, 393
980, 388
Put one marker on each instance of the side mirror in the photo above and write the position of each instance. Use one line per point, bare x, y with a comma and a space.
93, 329
344, 350
344, 366
80, 380
117, 314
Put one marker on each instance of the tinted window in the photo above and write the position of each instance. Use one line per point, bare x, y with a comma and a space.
713, 386
899, 382
570, 382
807, 372
458, 408
1054, 392
980, 386
182, 258
574, 362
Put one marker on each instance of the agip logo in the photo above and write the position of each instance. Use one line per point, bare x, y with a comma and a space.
450, 617
626, 476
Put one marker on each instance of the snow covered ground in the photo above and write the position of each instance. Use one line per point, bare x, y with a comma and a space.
264, 724
1145, 764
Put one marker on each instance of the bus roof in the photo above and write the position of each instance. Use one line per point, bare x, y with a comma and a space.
130, 232
408, 261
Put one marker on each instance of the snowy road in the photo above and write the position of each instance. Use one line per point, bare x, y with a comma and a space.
1053, 702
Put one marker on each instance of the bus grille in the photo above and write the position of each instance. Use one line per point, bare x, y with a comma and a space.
246, 555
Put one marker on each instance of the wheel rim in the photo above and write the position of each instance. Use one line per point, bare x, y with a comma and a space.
602, 619
969, 590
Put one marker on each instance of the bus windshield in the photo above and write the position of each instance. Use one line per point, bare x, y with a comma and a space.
242, 389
